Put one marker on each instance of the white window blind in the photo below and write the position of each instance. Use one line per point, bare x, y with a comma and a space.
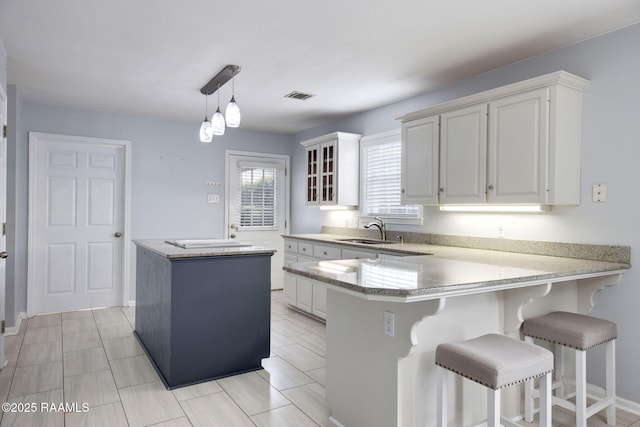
257, 195
381, 179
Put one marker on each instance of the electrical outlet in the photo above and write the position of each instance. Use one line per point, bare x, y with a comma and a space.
389, 323
501, 231
213, 198
599, 193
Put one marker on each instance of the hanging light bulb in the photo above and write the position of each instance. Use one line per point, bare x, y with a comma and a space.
206, 131
217, 121
232, 113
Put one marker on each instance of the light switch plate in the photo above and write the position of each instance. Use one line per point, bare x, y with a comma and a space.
213, 198
389, 323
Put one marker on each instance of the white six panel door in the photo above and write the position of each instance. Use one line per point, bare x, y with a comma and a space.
78, 221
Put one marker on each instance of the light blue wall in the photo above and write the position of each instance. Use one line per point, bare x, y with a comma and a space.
610, 155
3, 67
170, 169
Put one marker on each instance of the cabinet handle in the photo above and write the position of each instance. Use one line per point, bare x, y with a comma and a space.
442, 189
324, 253
304, 249
402, 191
490, 187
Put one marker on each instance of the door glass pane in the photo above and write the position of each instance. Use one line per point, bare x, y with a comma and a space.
257, 195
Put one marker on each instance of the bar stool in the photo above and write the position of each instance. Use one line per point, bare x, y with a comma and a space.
495, 361
581, 333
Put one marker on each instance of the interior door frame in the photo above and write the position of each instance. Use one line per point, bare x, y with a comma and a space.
287, 184
40, 137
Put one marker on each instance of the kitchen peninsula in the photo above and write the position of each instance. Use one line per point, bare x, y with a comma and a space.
202, 308
385, 317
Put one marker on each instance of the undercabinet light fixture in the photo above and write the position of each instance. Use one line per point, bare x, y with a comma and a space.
336, 208
496, 208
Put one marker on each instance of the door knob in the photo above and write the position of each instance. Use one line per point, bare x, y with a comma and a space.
118, 234
233, 236
3, 255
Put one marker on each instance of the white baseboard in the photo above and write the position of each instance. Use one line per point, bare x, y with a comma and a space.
623, 404
13, 330
131, 303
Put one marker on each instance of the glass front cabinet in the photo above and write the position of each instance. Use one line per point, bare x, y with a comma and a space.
332, 169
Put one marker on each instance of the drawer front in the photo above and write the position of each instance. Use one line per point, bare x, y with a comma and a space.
326, 252
291, 246
290, 259
353, 254
305, 248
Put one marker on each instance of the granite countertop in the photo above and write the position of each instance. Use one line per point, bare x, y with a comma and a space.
447, 271
161, 247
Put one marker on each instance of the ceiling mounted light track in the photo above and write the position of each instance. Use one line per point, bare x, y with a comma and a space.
232, 110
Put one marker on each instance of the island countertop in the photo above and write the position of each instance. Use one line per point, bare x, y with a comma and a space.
447, 271
161, 247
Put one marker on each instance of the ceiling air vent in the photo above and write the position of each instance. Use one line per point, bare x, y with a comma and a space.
298, 95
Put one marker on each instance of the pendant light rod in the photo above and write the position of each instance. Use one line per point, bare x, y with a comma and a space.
220, 79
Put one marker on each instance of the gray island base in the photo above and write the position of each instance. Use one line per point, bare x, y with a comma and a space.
202, 315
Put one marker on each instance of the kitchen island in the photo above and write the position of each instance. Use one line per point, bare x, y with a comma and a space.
385, 318
202, 312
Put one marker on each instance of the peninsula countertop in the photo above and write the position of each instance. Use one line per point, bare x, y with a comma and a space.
161, 247
447, 271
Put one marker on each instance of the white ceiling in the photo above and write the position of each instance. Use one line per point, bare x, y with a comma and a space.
152, 57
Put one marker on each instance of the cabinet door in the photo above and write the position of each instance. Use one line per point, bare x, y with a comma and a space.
291, 289
518, 148
320, 299
304, 297
328, 176
313, 164
420, 141
463, 155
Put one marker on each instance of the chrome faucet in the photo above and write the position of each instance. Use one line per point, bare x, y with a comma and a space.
380, 224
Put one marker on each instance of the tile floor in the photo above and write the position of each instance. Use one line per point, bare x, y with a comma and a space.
92, 357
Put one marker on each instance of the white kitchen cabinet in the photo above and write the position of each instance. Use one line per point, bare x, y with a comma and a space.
304, 294
332, 169
419, 159
291, 289
358, 254
517, 153
463, 155
516, 144
319, 299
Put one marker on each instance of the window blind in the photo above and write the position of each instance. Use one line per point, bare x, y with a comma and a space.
257, 194
382, 181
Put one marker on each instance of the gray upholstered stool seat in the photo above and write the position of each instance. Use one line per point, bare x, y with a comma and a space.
581, 333
494, 361
571, 329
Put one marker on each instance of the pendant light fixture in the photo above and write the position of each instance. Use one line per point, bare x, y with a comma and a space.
232, 113
206, 131
217, 121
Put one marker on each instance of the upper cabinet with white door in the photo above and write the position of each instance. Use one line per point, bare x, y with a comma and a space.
419, 158
517, 144
332, 169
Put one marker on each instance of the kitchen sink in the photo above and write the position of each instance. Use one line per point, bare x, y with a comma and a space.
366, 241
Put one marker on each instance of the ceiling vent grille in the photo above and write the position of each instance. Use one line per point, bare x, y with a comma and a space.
298, 95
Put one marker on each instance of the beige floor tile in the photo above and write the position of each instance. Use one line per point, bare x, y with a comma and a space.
178, 422
110, 415
215, 410
287, 328
34, 354
312, 401
133, 371
278, 340
115, 330
42, 335
319, 329
196, 390
300, 357
129, 311
119, 348
109, 315
5, 385
287, 416
45, 320
301, 320
149, 403
95, 389
81, 341
281, 374
43, 416
81, 314
319, 375
12, 344
84, 324
252, 393
132, 321
85, 361
36, 378
313, 342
